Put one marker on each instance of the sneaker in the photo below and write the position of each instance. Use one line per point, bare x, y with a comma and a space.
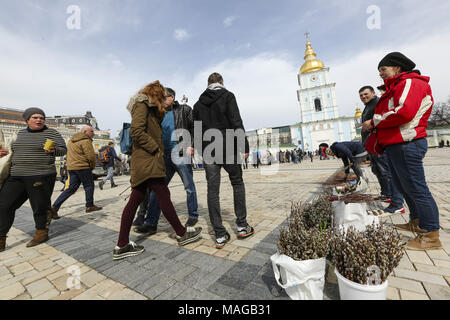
100, 185
114, 186
146, 229
93, 208
191, 222
245, 232
191, 235
131, 249
394, 209
383, 198
220, 242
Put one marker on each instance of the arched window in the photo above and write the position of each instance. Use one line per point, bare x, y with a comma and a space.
318, 105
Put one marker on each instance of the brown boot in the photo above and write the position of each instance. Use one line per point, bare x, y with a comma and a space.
54, 213
425, 241
40, 237
2, 244
412, 225
93, 208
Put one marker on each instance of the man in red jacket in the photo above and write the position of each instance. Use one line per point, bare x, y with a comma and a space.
399, 129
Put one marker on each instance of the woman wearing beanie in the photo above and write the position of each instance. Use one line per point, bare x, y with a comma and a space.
399, 129
148, 169
32, 176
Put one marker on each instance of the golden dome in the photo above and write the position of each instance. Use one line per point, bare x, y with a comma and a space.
358, 113
311, 63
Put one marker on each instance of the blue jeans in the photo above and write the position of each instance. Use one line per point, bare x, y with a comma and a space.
408, 175
382, 170
110, 175
78, 177
186, 175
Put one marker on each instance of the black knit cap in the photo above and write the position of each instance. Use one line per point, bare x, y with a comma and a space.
397, 59
30, 111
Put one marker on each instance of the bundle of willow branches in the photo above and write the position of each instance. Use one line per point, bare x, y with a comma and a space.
339, 177
356, 197
357, 254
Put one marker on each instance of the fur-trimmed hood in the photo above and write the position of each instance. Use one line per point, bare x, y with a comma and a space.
138, 97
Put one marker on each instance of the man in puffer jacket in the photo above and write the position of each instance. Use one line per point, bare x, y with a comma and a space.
80, 163
399, 129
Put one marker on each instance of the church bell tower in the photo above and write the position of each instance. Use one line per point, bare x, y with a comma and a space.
316, 95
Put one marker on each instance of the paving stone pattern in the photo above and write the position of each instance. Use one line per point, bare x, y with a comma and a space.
199, 271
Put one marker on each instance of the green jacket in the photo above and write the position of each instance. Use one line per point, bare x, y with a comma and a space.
147, 158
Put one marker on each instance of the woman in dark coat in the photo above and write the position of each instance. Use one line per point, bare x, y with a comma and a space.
148, 169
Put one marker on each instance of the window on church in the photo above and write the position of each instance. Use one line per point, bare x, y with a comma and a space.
318, 105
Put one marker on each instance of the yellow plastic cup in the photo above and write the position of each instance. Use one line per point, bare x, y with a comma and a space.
49, 144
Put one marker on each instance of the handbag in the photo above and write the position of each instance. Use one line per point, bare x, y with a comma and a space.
5, 162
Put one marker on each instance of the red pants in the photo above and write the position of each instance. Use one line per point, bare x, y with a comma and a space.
162, 193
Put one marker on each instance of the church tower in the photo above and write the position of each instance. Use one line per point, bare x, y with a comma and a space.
316, 95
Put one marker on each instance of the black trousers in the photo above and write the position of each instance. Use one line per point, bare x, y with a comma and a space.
16, 191
213, 187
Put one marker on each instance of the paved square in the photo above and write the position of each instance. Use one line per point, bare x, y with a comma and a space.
76, 263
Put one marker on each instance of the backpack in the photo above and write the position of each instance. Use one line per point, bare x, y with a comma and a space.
126, 143
104, 155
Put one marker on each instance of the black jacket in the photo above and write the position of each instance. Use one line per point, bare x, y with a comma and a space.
346, 151
368, 114
218, 109
182, 114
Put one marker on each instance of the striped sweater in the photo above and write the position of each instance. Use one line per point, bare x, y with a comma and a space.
29, 157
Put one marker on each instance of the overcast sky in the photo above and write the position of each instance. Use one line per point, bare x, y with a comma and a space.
49, 60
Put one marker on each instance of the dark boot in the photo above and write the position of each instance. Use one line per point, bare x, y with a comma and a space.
412, 225
40, 237
2, 244
54, 213
425, 241
139, 221
93, 208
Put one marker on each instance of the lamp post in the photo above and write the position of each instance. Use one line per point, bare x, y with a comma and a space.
358, 122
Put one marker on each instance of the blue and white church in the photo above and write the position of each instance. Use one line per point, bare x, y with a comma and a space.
319, 112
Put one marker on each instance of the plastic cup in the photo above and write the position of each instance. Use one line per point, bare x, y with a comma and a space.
49, 144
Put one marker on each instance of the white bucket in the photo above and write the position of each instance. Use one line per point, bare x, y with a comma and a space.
350, 290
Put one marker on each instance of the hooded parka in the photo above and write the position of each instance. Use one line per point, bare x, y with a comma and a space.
147, 157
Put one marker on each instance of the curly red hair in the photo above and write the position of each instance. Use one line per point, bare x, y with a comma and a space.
157, 94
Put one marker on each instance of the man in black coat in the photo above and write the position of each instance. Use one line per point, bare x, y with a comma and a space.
351, 154
379, 164
218, 113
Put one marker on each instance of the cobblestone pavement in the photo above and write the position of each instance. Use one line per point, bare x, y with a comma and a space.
80, 245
